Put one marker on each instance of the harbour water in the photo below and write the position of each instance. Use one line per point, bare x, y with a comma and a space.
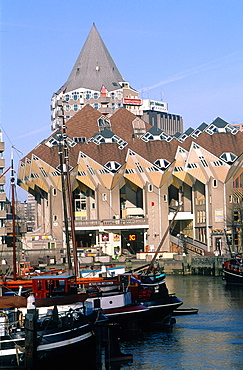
211, 339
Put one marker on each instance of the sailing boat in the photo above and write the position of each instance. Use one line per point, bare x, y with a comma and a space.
57, 332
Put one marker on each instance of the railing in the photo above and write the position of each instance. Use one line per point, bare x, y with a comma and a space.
111, 222
190, 244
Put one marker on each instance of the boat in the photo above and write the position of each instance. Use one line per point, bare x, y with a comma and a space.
57, 335
118, 307
148, 287
151, 292
233, 270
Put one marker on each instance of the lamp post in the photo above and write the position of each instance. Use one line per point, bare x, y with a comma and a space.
183, 239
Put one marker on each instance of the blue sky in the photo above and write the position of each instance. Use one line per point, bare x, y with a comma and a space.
188, 53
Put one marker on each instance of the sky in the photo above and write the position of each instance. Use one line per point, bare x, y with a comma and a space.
186, 53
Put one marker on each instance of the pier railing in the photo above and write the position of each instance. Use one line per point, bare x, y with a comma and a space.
132, 222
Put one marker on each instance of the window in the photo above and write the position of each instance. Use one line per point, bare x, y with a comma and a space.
104, 197
90, 169
55, 173
236, 215
121, 146
67, 107
178, 169
67, 97
103, 122
43, 172
96, 95
196, 133
54, 217
218, 163
152, 169
203, 161
192, 165
182, 138
103, 171
51, 245
75, 95
80, 204
54, 192
88, 95
211, 129
51, 142
75, 107
165, 136
139, 167
201, 234
201, 217
228, 157
215, 183
147, 137
129, 171
96, 106
112, 166
79, 139
150, 188
162, 163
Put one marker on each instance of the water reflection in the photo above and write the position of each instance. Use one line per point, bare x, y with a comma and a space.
212, 339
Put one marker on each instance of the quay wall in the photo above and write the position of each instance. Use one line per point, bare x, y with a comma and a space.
186, 265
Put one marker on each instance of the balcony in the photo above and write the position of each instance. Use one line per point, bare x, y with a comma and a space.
2, 180
2, 214
2, 231
2, 163
2, 197
181, 216
112, 224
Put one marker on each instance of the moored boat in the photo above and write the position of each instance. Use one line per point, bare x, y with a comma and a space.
151, 292
56, 335
233, 270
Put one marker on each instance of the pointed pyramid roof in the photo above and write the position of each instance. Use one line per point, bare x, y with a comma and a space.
94, 67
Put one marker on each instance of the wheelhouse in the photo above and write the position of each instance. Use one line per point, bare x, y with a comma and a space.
54, 285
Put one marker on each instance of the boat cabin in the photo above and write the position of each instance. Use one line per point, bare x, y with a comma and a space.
24, 268
47, 286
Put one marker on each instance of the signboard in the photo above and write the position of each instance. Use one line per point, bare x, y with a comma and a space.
116, 237
219, 215
132, 237
155, 105
195, 249
217, 232
105, 237
132, 101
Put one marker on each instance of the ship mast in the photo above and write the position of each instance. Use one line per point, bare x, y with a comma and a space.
65, 169
13, 216
150, 268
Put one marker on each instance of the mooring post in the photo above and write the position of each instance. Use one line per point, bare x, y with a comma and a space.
184, 265
216, 266
30, 338
112, 347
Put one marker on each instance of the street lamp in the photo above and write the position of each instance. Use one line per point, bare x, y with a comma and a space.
183, 238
